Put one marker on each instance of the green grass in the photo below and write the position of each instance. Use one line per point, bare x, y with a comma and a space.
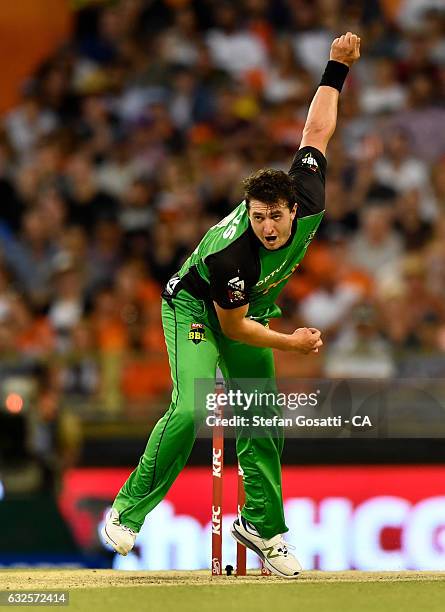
175, 591
258, 597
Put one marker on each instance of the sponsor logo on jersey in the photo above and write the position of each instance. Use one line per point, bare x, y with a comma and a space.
276, 283
265, 279
310, 162
197, 333
236, 291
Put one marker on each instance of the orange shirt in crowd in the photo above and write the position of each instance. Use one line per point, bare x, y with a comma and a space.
38, 338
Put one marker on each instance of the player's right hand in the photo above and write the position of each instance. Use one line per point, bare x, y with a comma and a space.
346, 49
306, 340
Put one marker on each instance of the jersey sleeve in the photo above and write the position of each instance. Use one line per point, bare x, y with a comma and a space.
230, 279
308, 172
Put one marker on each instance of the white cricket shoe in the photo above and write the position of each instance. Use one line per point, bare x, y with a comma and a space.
118, 536
273, 552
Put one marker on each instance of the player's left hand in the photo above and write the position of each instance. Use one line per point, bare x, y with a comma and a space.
319, 342
346, 49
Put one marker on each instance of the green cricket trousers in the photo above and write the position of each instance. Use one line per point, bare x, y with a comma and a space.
196, 346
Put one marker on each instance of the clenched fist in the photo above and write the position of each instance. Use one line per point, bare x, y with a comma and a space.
306, 340
346, 49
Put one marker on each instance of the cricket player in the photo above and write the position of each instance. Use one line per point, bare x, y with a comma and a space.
215, 313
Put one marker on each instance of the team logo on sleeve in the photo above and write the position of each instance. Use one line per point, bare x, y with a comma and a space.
197, 333
310, 161
235, 290
171, 285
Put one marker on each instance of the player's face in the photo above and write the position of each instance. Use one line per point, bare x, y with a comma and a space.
272, 225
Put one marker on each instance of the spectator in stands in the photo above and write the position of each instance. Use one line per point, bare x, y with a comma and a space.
232, 47
360, 352
376, 245
30, 257
67, 303
399, 170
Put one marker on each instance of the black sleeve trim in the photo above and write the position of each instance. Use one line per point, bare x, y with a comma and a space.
298, 165
233, 272
308, 172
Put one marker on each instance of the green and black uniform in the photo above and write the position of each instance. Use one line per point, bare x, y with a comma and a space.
231, 267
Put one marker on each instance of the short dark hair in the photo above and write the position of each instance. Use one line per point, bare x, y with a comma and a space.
269, 186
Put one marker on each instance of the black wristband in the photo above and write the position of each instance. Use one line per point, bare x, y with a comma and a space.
334, 75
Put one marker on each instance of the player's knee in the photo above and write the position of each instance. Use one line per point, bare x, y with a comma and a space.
191, 416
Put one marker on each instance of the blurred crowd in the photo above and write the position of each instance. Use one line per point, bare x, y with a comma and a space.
133, 138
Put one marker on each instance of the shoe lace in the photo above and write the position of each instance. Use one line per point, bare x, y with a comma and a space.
115, 521
283, 547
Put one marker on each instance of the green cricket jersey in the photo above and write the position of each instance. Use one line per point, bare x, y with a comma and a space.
231, 266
